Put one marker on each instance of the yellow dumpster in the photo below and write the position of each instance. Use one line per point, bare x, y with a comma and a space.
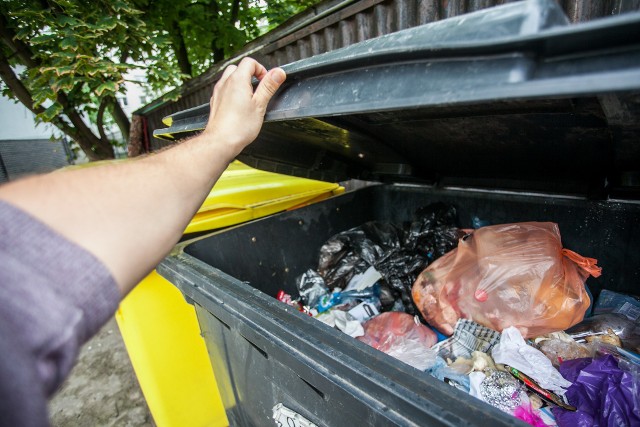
160, 329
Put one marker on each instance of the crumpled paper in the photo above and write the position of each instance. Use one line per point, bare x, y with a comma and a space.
343, 321
512, 350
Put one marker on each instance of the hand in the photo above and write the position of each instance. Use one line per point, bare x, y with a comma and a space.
237, 112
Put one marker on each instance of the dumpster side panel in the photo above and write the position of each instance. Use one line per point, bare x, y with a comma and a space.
169, 356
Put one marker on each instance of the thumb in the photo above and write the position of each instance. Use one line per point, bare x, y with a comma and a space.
268, 87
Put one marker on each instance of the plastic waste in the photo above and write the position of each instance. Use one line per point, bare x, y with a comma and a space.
397, 252
370, 294
507, 275
617, 303
559, 346
604, 394
402, 336
347, 324
479, 362
311, 287
534, 387
467, 338
364, 311
502, 391
529, 415
512, 350
443, 372
611, 325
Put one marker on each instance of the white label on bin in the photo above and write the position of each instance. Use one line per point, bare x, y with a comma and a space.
285, 417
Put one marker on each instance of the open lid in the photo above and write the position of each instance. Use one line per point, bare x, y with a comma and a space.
511, 97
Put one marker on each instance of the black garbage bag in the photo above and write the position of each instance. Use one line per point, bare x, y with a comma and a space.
398, 252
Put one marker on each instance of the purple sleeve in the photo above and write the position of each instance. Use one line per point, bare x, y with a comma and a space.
54, 295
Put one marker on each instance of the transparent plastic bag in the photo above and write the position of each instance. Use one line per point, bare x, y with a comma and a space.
402, 336
507, 275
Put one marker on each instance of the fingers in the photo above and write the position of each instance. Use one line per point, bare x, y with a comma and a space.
227, 72
225, 75
268, 86
241, 74
249, 67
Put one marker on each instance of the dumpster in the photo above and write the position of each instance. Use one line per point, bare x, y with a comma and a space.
160, 329
509, 114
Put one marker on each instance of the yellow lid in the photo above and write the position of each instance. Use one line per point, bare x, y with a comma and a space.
243, 193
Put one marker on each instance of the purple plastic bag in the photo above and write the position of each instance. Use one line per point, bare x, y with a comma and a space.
604, 394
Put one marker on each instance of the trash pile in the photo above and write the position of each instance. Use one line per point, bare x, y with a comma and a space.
498, 312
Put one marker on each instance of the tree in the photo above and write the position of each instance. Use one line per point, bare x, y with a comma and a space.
66, 60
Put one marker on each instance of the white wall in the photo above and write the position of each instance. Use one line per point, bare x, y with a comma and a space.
17, 122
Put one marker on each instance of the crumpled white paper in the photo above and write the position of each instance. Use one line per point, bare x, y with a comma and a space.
343, 321
475, 379
512, 350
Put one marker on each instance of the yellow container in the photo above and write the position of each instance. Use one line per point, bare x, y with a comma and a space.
160, 329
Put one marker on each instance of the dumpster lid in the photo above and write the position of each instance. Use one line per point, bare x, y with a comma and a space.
243, 193
511, 98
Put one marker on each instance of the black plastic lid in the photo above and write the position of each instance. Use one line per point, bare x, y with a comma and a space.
510, 98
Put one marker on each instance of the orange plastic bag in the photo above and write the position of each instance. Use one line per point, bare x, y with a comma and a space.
507, 275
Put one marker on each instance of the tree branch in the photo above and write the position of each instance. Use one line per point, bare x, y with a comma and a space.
180, 48
100, 119
17, 46
218, 53
23, 95
235, 10
121, 119
90, 144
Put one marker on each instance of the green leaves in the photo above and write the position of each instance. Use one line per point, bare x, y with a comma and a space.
64, 84
69, 43
43, 38
106, 23
51, 112
64, 20
111, 87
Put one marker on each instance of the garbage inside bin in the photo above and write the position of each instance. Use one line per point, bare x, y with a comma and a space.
560, 346
507, 275
512, 262
604, 393
610, 328
617, 303
402, 336
397, 252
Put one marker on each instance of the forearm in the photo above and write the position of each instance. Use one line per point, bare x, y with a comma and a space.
129, 215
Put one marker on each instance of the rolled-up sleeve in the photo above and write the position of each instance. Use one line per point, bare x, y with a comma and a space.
54, 295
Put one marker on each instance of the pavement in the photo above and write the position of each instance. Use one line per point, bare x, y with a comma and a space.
102, 389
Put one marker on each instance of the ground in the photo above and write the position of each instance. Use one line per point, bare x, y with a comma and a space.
102, 389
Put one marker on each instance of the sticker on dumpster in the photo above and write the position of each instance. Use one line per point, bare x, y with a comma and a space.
285, 417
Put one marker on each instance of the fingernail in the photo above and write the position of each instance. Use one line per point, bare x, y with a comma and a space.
278, 75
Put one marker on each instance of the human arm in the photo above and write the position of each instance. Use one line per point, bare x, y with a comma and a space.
129, 215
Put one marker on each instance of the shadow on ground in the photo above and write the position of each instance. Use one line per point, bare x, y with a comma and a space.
102, 389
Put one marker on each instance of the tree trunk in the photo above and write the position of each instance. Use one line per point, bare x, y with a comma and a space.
180, 49
121, 119
218, 52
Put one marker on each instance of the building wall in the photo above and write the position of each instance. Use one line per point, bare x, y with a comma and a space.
22, 157
27, 148
333, 24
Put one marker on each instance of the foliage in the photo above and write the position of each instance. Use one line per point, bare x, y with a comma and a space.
73, 56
